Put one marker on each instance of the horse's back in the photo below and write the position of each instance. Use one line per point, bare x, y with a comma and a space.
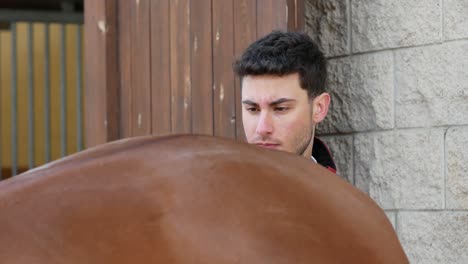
189, 199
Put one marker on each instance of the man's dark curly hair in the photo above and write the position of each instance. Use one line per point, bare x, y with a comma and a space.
280, 53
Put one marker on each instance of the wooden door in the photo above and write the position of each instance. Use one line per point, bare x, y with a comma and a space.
165, 66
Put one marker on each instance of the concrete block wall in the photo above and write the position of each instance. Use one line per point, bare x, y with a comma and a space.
398, 123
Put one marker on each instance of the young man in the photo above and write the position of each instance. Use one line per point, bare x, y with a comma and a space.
283, 79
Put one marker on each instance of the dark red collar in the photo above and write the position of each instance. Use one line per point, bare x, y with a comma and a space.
322, 154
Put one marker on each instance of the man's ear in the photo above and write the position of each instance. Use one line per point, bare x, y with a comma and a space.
320, 106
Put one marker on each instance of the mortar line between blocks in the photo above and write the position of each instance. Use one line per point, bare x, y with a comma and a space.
353, 151
395, 91
397, 224
442, 21
350, 33
389, 130
432, 210
445, 167
461, 39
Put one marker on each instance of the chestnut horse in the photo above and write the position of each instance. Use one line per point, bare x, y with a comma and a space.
189, 199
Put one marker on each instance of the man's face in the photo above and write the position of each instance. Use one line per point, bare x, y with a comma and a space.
276, 113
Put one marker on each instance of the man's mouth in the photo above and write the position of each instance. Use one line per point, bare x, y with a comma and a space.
268, 145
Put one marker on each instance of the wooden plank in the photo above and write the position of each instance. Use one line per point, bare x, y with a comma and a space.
296, 14
101, 72
202, 67
125, 66
160, 68
271, 15
245, 32
180, 66
223, 54
141, 83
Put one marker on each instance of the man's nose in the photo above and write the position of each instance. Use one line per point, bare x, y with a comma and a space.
265, 125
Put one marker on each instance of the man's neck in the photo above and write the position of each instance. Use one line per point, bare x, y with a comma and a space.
308, 151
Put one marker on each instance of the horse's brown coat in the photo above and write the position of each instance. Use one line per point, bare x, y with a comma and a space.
189, 199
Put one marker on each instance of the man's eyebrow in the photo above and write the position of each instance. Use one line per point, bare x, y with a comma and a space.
276, 102
248, 102
281, 100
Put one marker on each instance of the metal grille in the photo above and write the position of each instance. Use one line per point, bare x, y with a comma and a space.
41, 88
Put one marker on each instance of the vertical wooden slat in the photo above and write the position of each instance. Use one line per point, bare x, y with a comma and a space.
160, 68
14, 100
63, 92
125, 67
31, 128
271, 15
223, 55
101, 72
296, 13
54, 73
79, 89
141, 107
180, 66
245, 32
47, 140
202, 67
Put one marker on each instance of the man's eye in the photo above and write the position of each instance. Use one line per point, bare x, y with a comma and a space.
281, 109
252, 109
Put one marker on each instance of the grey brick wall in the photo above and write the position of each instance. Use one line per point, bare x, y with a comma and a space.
398, 123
